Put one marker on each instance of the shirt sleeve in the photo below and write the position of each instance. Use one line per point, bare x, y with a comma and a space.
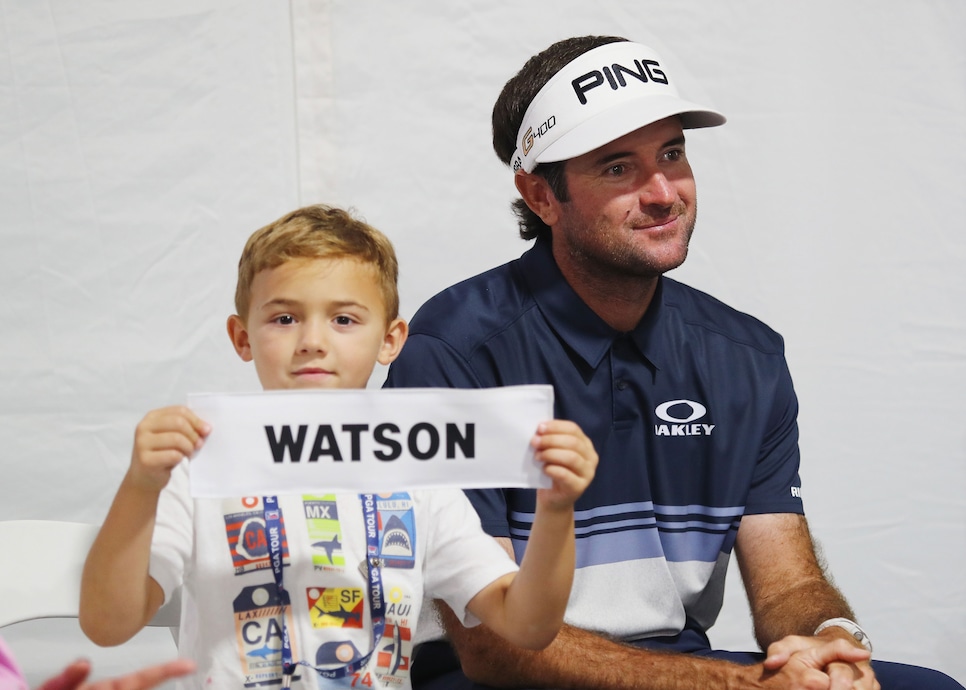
171, 543
461, 559
776, 486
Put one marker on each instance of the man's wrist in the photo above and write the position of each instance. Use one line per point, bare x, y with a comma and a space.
850, 626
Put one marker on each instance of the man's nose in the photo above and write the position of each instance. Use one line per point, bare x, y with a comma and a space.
657, 190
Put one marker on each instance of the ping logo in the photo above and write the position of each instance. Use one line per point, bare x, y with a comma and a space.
642, 72
681, 417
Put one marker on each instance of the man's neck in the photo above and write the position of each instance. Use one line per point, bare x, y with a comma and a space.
620, 302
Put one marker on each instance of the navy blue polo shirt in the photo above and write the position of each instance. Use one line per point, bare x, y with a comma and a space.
693, 415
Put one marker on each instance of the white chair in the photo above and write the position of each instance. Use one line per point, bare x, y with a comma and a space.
40, 572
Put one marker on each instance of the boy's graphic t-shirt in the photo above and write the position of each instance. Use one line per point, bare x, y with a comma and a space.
431, 546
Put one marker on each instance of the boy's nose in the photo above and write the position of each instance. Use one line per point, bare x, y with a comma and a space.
313, 339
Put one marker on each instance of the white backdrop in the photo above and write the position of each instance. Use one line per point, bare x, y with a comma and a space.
142, 142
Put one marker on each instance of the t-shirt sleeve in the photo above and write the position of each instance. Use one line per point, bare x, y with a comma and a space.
776, 486
461, 559
171, 543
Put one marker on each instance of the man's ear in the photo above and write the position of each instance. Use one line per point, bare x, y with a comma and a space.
396, 335
538, 196
239, 337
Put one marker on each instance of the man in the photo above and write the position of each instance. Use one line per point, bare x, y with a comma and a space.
688, 402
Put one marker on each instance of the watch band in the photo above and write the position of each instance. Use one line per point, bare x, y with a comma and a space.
851, 626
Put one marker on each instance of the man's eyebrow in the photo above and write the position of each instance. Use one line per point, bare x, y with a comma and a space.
670, 143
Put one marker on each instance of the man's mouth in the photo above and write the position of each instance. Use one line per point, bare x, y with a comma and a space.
656, 225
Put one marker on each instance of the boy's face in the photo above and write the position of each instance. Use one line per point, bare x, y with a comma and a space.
316, 323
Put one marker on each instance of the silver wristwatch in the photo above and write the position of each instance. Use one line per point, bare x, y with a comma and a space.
851, 626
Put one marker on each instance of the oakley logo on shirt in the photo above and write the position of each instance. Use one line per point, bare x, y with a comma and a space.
682, 419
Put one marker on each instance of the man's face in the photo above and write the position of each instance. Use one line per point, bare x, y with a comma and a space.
632, 206
315, 323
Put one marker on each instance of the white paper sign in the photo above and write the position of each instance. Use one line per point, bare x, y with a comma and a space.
283, 442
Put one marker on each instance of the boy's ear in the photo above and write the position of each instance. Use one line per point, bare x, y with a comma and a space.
538, 195
393, 341
239, 337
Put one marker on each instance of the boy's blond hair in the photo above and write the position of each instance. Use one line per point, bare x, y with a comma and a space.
318, 232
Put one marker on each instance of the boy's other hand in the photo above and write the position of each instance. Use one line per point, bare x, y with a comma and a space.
568, 458
162, 439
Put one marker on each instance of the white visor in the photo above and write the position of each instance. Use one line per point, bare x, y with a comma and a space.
600, 96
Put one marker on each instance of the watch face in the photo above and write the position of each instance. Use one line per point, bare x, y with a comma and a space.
851, 627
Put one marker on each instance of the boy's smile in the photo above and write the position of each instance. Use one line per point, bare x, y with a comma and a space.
316, 323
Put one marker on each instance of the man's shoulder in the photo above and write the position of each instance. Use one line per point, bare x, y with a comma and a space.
706, 316
469, 312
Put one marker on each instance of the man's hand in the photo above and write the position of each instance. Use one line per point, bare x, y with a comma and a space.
568, 458
789, 591
846, 665
161, 440
73, 677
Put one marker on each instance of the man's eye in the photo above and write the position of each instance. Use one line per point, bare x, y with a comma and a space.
616, 170
674, 155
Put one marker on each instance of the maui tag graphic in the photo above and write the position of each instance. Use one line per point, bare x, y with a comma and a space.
325, 532
395, 651
258, 630
397, 530
682, 419
245, 530
335, 607
400, 606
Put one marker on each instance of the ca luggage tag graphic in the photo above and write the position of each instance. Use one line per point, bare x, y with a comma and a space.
245, 531
258, 630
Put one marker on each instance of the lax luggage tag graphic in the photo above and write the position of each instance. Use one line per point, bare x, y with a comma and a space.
258, 619
368, 441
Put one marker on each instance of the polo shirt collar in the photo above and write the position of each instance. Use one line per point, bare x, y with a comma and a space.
575, 323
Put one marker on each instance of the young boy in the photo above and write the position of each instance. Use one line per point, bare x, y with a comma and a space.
317, 307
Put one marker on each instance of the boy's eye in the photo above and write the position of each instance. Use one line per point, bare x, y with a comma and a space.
285, 319
343, 320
